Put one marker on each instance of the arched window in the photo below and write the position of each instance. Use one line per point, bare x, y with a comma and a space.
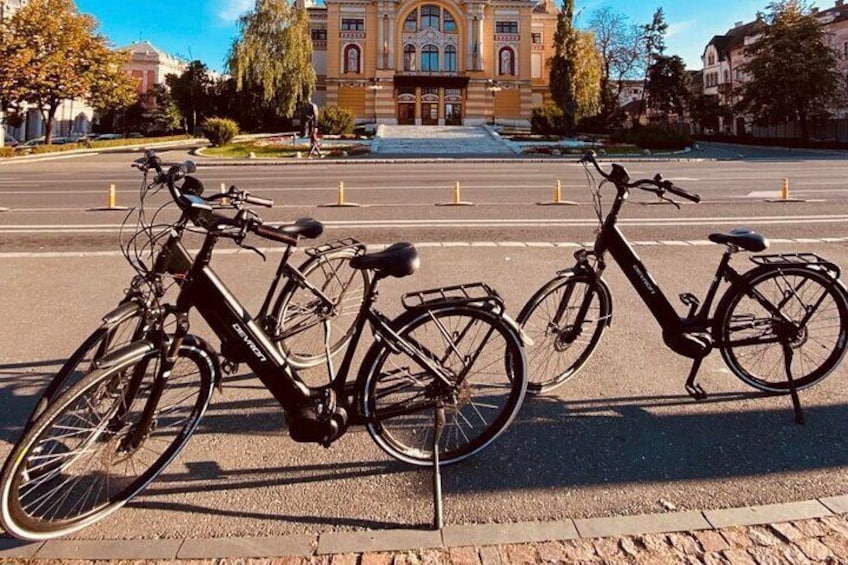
450, 59
430, 16
351, 59
411, 23
429, 58
409, 63
507, 61
449, 23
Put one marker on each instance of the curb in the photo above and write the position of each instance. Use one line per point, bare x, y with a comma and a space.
452, 536
95, 151
437, 160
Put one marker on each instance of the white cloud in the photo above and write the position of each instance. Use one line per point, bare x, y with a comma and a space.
676, 29
230, 10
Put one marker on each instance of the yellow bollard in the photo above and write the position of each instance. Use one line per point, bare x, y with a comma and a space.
111, 202
784, 195
557, 201
340, 200
457, 198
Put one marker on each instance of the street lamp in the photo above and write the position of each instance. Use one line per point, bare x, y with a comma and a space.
494, 87
375, 86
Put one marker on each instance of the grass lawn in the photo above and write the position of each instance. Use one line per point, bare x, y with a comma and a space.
268, 151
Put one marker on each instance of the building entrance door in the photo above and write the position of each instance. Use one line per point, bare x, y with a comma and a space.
453, 114
406, 113
430, 113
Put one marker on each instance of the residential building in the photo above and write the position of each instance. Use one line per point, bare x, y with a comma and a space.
150, 65
725, 57
433, 61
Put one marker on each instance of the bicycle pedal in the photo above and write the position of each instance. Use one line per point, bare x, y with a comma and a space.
696, 391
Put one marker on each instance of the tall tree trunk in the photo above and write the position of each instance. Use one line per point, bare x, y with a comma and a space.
51, 118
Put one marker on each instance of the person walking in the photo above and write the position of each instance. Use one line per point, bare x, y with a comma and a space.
315, 143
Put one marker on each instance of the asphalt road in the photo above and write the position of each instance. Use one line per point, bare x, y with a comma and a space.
48, 202
621, 438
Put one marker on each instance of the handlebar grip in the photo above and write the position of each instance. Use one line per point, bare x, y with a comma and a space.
274, 235
676, 190
259, 201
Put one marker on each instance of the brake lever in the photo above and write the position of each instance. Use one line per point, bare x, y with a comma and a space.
664, 197
243, 245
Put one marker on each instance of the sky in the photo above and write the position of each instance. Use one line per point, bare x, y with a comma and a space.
205, 29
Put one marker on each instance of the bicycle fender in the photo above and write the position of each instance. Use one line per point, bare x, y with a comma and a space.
525, 339
121, 313
124, 354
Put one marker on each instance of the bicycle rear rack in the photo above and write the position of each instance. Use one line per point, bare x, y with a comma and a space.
346, 243
796, 259
460, 294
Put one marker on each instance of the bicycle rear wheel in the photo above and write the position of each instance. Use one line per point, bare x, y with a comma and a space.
565, 320
303, 318
77, 464
482, 357
804, 304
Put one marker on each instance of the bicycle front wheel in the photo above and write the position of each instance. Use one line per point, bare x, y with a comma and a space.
565, 320
305, 320
85, 457
805, 306
481, 357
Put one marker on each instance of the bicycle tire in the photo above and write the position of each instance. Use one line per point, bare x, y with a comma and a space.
110, 472
300, 324
559, 351
817, 349
104, 339
392, 380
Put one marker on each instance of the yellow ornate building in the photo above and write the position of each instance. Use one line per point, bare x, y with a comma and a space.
439, 62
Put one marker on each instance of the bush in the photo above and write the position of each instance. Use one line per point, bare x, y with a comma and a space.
7, 152
651, 137
335, 120
548, 120
220, 131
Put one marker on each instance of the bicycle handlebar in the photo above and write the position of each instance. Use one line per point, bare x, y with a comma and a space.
620, 178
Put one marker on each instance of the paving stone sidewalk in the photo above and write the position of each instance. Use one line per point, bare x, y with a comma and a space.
819, 540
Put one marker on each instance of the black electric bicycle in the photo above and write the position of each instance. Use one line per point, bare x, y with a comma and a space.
784, 320
439, 383
321, 295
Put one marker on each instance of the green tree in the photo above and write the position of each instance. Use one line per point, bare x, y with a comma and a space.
653, 35
49, 53
705, 110
561, 65
588, 67
274, 55
668, 85
192, 93
793, 73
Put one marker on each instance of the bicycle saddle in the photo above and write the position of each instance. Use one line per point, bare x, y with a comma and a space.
744, 238
398, 260
304, 227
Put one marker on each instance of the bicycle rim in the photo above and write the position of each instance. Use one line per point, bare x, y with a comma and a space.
565, 321
750, 330
76, 466
301, 320
483, 358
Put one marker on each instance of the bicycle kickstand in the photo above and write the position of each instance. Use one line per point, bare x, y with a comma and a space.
439, 421
796, 402
694, 389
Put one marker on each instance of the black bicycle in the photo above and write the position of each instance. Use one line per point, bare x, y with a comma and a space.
320, 296
439, 384
780, 327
